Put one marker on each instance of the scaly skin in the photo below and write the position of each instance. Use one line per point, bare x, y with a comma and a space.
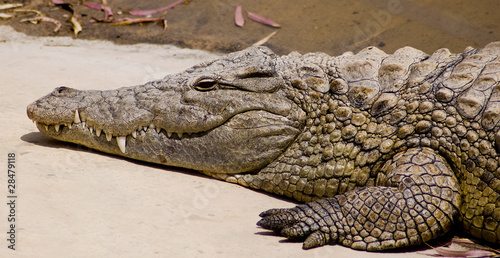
387, 150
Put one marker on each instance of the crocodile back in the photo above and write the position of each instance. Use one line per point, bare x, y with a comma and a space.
448, 102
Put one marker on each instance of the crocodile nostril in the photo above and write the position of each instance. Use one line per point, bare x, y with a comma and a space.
61, 89
64, 91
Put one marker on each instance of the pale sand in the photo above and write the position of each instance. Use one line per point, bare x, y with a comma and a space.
73, 202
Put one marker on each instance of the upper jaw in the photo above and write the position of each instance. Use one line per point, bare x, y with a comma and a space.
69, 110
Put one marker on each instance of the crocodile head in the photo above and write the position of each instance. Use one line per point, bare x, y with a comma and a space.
231, 115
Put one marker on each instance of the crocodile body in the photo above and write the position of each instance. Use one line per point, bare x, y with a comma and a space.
385, 150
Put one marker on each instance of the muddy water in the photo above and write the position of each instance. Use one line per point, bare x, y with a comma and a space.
306, 25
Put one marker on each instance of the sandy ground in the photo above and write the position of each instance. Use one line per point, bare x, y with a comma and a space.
75, 202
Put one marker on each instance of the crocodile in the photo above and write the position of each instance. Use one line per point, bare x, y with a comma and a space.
382, 150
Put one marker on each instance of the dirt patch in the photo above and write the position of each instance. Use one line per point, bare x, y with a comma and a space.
332, 27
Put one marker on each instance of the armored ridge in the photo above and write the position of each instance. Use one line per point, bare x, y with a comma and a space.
389, 150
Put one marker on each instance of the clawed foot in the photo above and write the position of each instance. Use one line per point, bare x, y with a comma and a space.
309, 222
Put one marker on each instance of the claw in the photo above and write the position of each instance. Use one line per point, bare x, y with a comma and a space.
316, 239
272, 212
304, 222
297, 231
278, 220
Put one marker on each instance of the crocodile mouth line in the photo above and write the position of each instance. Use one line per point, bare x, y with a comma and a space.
120, 139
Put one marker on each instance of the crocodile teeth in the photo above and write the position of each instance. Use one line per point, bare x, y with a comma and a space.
122, 141
46, 127
91, 129
109, 136
70, 126
98, 132
158, 129
77, 117
84, 125
57, 127
134, 134
180, 135
169, 134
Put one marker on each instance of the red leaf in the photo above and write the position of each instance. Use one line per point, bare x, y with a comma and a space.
238, 16
159, 10
93, 6
107, 12
263, 20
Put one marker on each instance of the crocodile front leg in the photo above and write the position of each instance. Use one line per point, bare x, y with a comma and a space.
416, 199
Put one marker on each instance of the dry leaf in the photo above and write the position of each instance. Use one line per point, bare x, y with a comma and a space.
44, 19
448, 252
462, 247
238, 16
5, 16
128, 21
265, 39
9, 6
29, 11
165, 25
77, 27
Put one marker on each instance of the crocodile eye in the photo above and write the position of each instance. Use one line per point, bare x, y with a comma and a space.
205, 84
